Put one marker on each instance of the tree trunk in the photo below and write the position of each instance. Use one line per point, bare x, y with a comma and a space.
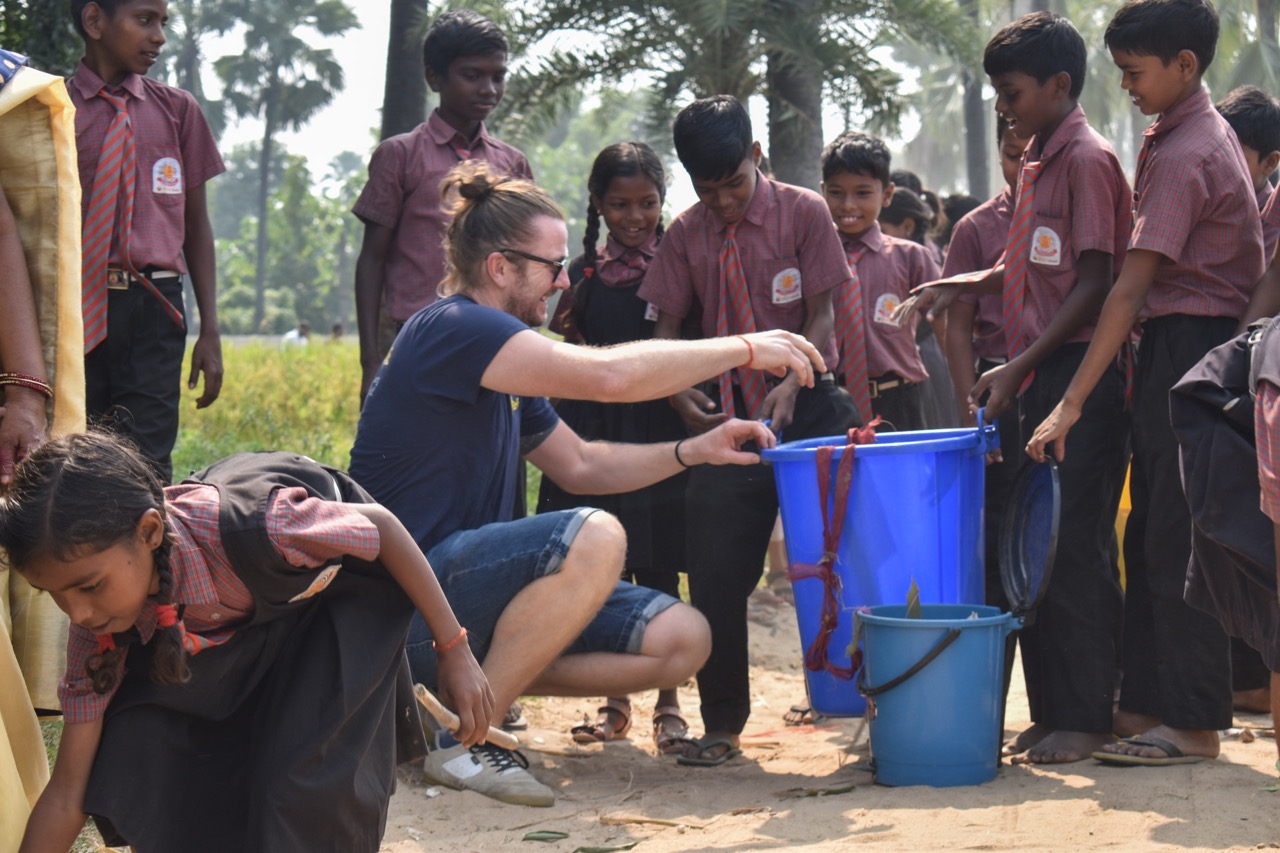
795, 116
264, 180
404, 99
1268, 18
976, 154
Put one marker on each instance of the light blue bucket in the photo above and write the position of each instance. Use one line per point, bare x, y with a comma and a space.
936, 688
915, 512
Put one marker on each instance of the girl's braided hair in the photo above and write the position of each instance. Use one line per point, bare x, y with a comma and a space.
85, 493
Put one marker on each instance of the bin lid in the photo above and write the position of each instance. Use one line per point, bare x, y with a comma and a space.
1029, 537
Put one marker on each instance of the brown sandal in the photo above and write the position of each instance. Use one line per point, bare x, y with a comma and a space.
670, 730
603, 729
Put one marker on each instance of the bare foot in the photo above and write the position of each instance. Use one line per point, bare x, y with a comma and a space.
1063, 747
1130, 723
1252, 701
1027, 739
1191, 742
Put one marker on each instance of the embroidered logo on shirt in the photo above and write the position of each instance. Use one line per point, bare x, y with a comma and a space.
166, 176
651, 313
322, 580
886, 305
786, 286
1046, 247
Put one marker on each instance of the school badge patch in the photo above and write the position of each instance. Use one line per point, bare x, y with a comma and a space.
1046, 247
166, 176
786, 286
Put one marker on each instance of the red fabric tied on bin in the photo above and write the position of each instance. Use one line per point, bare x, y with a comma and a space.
815, 657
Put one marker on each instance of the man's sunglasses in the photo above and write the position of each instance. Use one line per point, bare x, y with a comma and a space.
556, 266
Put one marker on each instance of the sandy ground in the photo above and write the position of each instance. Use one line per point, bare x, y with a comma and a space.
621, 792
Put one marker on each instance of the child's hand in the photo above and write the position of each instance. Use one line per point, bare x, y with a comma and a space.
1053, 431
1003, 383
463, 686
933, 298
780, 405
697, 410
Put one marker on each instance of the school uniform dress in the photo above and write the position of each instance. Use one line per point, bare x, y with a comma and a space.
888, 268
133, 378
403, 193
602, 309
1195, 204
977, 242
1270, 211
788, 251
1069, 653
285, 738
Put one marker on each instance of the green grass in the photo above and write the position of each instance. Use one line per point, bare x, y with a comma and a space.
304, 399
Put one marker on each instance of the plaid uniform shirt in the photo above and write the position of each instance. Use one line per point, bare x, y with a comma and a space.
887, 270
1266, 422
1195, 204
176, 152
786, 234
1270, 211
307, 531
403, 193
977, 242
1081, 201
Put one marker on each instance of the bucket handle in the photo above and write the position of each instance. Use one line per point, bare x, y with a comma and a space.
950, 637
988, 434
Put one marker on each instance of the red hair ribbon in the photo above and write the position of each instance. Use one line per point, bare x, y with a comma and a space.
166, 615
106, 643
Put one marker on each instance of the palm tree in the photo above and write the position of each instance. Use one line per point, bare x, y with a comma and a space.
184, 59
404, 100
793, 51
282, 79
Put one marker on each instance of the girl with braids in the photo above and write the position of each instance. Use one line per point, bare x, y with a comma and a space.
235, 678
625, 189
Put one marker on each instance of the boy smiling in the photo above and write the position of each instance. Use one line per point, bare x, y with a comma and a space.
1195, 254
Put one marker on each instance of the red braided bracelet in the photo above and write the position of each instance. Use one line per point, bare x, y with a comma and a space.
462, 635
751, 353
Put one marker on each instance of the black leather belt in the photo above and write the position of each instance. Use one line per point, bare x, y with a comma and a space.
118, 279
887, 383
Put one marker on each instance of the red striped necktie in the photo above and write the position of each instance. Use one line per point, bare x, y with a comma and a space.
851, 335
111, 215
1017, 251
735, 298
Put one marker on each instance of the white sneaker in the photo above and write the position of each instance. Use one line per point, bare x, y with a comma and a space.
486, 769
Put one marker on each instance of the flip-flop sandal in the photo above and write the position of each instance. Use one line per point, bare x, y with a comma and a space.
514, 720
706, 745
802, 715
602, 729
672, 737
1172, 755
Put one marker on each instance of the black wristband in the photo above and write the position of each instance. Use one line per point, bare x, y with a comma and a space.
683, 464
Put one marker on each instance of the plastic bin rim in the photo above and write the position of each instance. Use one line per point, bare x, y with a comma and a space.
931, 441
987, 616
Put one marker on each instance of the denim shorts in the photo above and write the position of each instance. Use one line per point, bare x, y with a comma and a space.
481, 570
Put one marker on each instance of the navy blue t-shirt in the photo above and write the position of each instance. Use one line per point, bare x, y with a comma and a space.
433, 446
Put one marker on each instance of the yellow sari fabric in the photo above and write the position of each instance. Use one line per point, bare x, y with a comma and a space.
39, 177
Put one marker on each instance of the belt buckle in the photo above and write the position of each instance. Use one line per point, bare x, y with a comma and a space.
117, 280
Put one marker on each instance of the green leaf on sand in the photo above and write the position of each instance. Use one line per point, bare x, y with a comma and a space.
607, 848
545, 835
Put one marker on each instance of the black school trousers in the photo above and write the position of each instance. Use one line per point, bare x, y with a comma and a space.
1069, 649
133, 379
731, 511
1177, 661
